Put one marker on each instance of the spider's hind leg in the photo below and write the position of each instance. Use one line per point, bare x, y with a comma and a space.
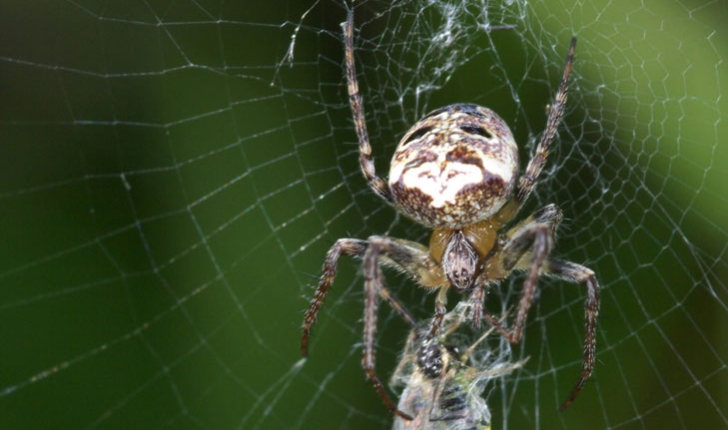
556, 111
366, 162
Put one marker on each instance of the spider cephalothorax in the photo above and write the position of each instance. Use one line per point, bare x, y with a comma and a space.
456, 172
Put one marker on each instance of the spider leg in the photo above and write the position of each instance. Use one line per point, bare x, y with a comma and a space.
476, 300
366, 161
440, 310
405, 255
585, 276
398, 306
415, 260
528, 246
527, 181
538, 239
373, 287
527, 249
409, 257
352, 247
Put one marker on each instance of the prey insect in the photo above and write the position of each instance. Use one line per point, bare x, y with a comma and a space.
444, 377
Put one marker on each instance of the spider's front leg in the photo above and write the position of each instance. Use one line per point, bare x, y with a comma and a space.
410, 257
373, 286
527, 246
527, 249
352, 247
577, 273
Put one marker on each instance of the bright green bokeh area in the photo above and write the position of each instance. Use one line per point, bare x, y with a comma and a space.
166, 210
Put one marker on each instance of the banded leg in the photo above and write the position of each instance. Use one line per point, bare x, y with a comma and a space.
415, 260
556, 111
542, 225
440, 310
527, 248
410, 257
476, 299
583, 275
379, 247
366, 162
352, 247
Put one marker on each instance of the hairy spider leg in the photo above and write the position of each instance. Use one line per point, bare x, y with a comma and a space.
556, 111
366, 161
410, 257
585, 276
528, 249
527, 246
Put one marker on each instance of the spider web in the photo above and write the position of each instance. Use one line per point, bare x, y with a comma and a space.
173, 173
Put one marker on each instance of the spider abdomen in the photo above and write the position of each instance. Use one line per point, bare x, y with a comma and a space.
455, 167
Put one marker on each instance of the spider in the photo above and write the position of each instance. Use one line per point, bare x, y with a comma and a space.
455, 172
442, 390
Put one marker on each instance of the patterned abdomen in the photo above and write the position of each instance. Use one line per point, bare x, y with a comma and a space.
455, 167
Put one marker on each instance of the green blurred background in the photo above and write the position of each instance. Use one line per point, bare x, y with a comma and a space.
169, 187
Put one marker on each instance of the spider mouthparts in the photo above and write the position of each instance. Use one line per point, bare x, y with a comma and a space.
461, 282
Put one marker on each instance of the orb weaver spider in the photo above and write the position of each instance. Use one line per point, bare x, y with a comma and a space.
456, 172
